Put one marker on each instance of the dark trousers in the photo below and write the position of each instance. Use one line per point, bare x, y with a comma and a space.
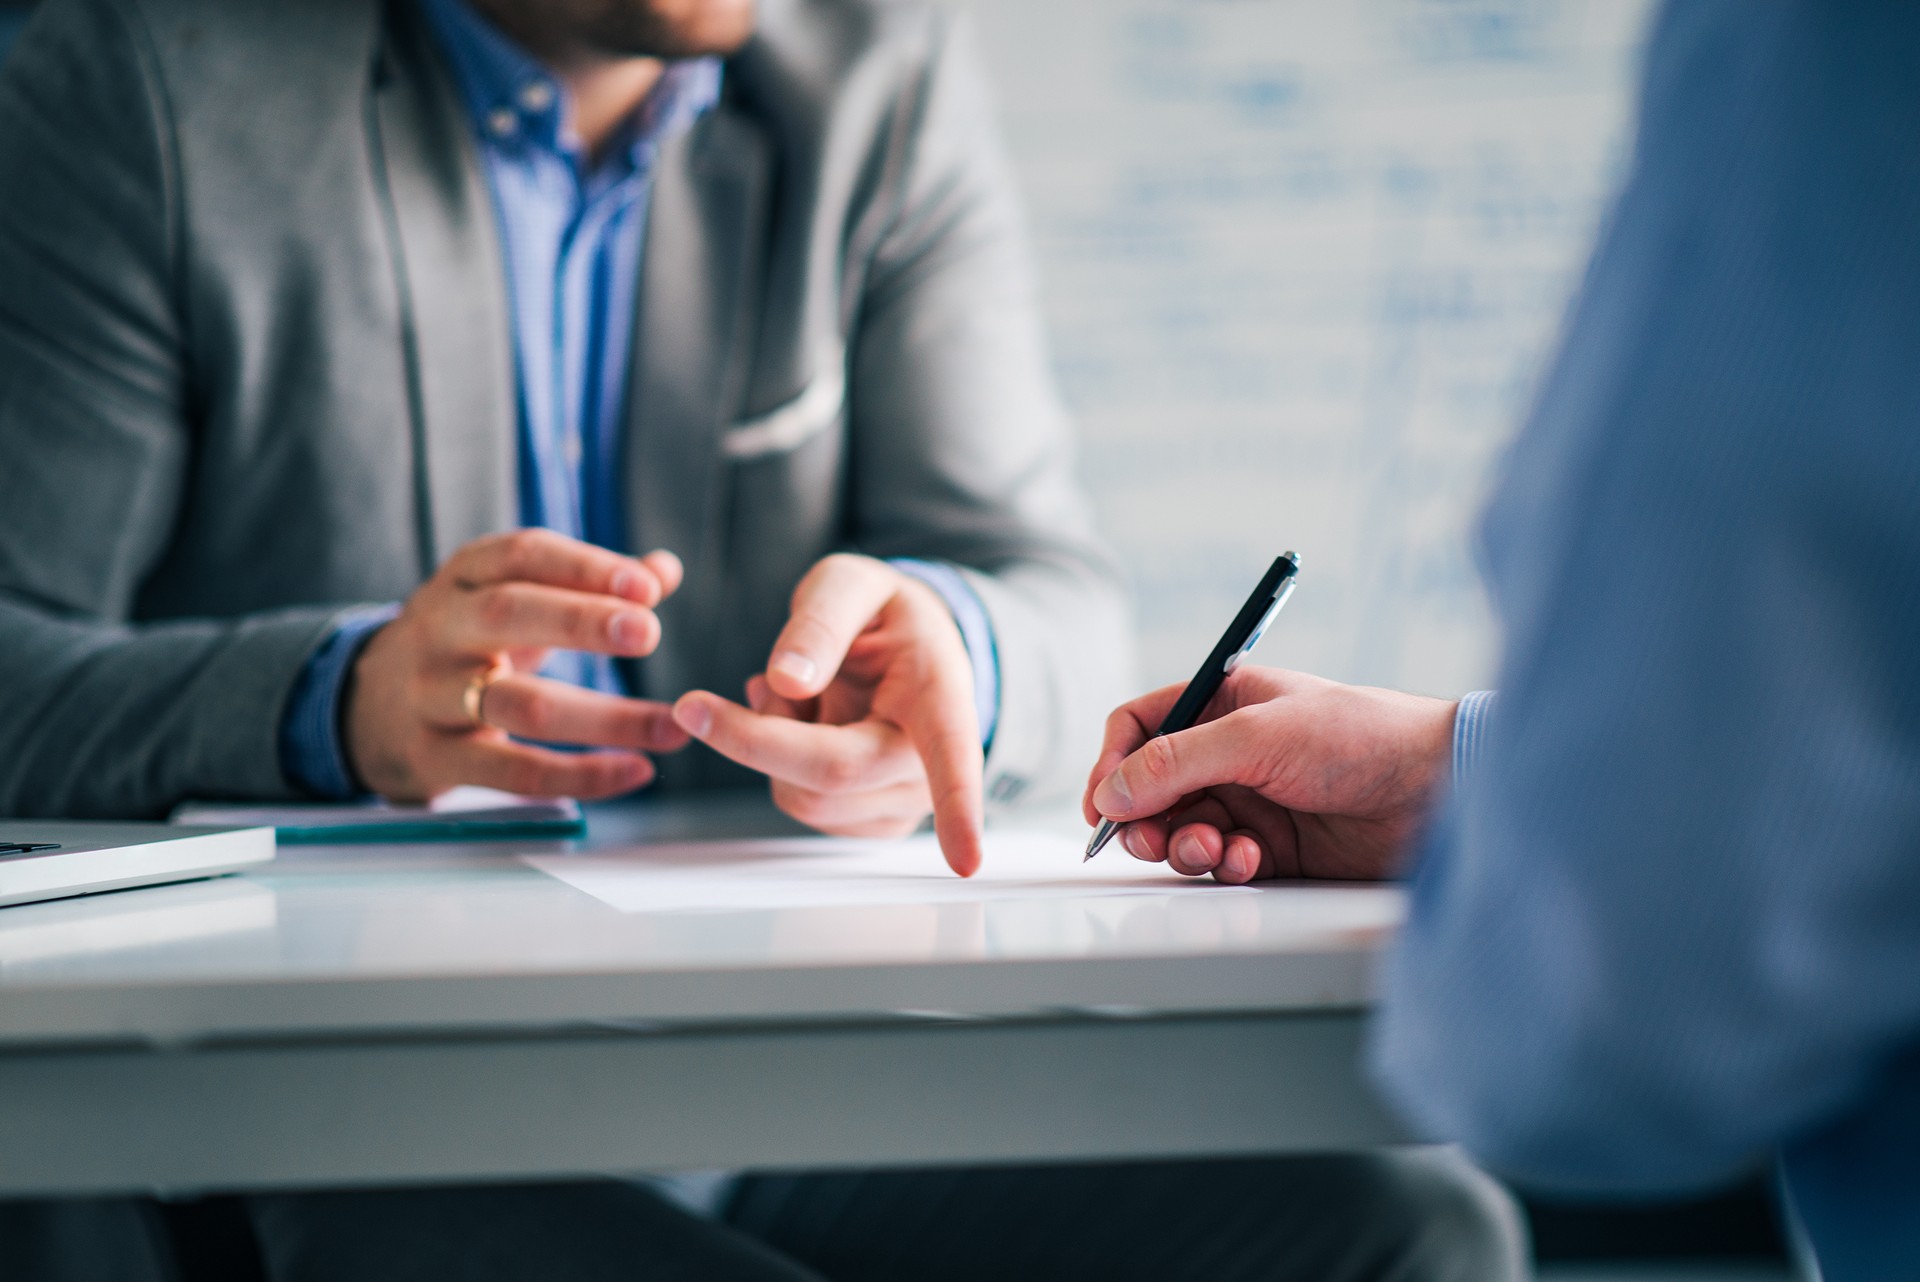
1400, 1216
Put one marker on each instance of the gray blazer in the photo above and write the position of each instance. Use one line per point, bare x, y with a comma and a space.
254, 368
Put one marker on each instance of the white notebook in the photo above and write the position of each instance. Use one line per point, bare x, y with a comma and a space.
52, 859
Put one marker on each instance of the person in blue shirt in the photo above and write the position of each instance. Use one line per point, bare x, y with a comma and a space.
1665, 916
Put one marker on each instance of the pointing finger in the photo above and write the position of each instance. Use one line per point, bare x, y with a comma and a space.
946, 731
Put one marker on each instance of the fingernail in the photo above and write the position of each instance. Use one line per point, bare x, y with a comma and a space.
1192, 853
1135, 841
796, 665
1111, 798
626, 583
626, 630
1240, 863
694, 717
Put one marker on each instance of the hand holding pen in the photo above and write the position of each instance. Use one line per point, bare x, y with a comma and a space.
1272, 773
1228, 652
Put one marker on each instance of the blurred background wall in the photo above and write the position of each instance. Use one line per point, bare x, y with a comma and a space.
1303, 261
11, 18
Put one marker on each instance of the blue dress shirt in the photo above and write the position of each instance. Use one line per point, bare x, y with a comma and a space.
571, 232
1671, 930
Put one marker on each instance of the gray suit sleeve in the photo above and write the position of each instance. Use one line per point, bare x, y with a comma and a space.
963, 451
100, 714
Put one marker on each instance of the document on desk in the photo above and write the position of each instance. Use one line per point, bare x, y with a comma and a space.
809, 872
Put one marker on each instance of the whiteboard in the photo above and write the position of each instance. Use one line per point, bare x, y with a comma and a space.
1302, 263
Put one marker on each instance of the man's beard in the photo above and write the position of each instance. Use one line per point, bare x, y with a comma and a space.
634, 28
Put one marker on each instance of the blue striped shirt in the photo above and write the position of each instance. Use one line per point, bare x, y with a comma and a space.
571, 230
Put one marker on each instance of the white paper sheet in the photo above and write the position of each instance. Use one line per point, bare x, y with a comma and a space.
802, 872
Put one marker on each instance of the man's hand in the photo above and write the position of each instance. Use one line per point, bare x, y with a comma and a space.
1288, 775
865, 719
500, 604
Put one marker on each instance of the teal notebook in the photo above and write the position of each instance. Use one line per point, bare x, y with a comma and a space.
465, 814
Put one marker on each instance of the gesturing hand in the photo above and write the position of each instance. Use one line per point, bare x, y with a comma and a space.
1288, 775
865, 718
498, 606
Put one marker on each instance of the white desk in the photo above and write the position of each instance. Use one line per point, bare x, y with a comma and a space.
390, 1014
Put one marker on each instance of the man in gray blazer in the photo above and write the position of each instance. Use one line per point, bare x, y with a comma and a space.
275, 281
348, 352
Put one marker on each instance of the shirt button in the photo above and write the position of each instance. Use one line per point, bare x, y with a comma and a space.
573, 451
501, 122
536, 95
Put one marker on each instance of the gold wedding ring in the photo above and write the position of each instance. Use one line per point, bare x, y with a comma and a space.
476, 691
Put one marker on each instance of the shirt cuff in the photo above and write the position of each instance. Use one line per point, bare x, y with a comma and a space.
311, 755
976, 629
1470, 723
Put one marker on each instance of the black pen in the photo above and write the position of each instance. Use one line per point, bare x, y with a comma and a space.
1241, 636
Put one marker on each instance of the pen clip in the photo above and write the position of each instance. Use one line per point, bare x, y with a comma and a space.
1260, 628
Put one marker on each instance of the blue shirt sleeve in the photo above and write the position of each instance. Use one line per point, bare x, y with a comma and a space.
1470, 721
976, 629
311, 754
1673, 920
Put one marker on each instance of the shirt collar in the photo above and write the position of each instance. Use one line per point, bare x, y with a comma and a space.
515, 101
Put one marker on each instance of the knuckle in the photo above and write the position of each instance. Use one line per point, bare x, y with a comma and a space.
521, 549
496, 608
422, 619
1160, 759
582, 622
524, 776
838, 772
416, 689
534, 714
810, 632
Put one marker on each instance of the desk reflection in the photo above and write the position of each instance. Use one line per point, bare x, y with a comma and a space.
128, 919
